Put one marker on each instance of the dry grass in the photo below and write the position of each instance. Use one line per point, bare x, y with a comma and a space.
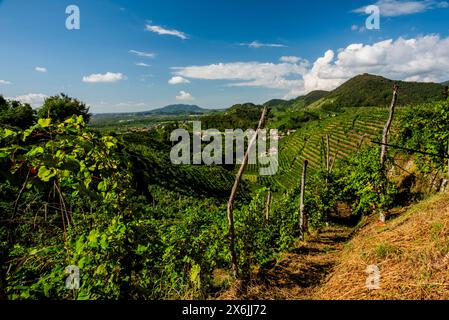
411, 251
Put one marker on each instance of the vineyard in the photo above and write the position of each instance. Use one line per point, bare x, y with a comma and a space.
136, 226
347, 132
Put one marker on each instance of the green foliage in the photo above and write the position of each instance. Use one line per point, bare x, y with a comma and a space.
16, 114
73, 196
365, 183
323, 192
242, 116
259, 240
426, 128
60, 107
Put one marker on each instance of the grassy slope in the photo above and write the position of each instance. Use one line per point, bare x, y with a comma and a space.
412, 252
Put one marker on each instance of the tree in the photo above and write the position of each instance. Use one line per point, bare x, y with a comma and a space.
15, 114
61, 107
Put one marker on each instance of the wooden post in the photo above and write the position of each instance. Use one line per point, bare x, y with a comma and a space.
268, 205
383, 154
327, 154
359, 146
302, 214
333, 161
230, 207
448, 159
322, 154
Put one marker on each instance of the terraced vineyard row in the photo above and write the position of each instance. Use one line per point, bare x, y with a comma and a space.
347, 132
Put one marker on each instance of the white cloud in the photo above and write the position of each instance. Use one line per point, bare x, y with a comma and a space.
184, 96
5, 82
290, 59
178, 80
257, 45
163, 31
286, 76
107, 77
33, 99
41, 69
425, 58
394, 8
143, 54
141, 64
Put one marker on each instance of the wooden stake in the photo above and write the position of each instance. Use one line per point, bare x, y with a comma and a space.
359, 146
383, 154
327, 154
230, 207
268, 205
333, 161
447, 177
302, 216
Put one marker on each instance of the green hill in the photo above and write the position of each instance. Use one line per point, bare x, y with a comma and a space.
369, 90
177, 109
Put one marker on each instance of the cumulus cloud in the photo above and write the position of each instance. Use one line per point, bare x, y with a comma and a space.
141, 64
142, 54
107, 77
178, 80
425, 58
184, 96
163, 31
5, 82
33, 99
257, 45
394, 8
41, 69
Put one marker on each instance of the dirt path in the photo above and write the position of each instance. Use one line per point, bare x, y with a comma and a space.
302, 270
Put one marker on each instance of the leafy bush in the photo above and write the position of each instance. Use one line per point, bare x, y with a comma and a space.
365, 183
61, 107
426, 128
16, 114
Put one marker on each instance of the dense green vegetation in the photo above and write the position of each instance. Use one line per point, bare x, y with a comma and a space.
16, 114
139, 227
369, 90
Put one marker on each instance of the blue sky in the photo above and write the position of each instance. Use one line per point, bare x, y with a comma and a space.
139, 55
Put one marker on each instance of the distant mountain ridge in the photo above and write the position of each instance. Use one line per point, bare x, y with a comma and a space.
177, 109
170, 110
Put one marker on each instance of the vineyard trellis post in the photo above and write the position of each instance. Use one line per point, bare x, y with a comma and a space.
383, 153
268, 205
230, 206
302, 213
327, 154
